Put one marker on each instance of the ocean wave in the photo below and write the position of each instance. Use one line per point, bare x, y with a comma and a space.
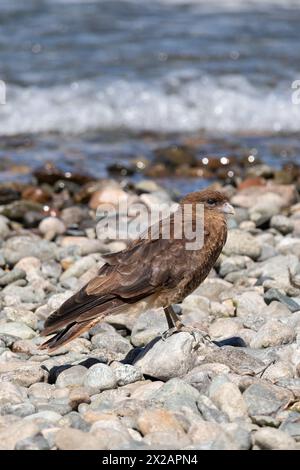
177, 104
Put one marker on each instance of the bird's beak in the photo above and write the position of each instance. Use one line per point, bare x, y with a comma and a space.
227, 208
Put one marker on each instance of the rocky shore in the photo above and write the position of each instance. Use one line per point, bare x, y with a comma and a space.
121, 386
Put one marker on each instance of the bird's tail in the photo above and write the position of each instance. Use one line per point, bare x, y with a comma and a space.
70, 332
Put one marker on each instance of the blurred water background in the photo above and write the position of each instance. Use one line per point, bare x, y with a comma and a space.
89, 83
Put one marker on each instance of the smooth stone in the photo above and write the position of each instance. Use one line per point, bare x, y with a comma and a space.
148, 326
72, 377
159, 420
209, 410
273, 333
166, 440
176, 395
11, 394
291, 426
18, 247
52, 225
238, 360
21, 409
37, 442
45, 415
265, 399
21, 373
228, 398
275, 294
79, 267
169, 358
126, 373
17, 329
20, 430
75, 439
282, 223
111, 345
243, 244
273, 439
100, 377
12, 276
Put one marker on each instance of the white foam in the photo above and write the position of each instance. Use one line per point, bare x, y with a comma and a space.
177, 104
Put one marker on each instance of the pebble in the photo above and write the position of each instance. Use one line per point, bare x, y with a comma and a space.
228, 398
270, 439
72, 377
273, 333
100, 377
243, 244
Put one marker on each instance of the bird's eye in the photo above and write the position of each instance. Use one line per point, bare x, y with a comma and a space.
211, 202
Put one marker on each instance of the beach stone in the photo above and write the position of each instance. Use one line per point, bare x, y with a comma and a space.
243, 244
291, 426
4, 227
272, 333
159, 420
166, 440
52, 226
227, 396
72, 377
18, 247
21, 409
176, 395
273, 439
204, 433
21, 315
282, 223
239, 434
213, 288
100, 377
11, 394
17, 329
265, 399
12, 276
45, 415
148, 326
249, 303
277, 371
78, 395
275, 294
287, 381
145, 391
126, 374
111, 346
37, 442
74, 439
224, 327
18, 431
79, 267
21, 373
170, 358
238, 360
289, 245
209, 410
51, 269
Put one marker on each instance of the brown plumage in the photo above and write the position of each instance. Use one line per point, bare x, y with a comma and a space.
150, 273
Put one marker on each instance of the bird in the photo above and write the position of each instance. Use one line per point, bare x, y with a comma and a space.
151, 272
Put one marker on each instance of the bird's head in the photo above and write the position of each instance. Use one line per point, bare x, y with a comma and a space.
212, 200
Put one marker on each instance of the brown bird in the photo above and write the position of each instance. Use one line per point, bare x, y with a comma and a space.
150, 273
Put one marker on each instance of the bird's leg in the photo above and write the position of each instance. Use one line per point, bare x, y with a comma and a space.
176, 326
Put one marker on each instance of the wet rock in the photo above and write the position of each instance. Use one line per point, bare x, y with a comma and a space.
270, 438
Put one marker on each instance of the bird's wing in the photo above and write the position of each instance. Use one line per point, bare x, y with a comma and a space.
129, 276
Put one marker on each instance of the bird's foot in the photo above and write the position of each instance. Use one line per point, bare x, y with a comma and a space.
197, 333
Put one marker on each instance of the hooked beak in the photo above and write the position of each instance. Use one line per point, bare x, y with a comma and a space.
227, 208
